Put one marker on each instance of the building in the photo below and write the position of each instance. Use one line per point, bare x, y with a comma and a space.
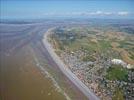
118, 62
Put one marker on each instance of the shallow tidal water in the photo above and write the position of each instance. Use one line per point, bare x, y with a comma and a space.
24, 62
20, 79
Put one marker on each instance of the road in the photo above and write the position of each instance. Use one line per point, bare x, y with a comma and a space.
80, 85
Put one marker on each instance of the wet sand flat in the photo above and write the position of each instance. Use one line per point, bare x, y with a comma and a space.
24, 62
22, 80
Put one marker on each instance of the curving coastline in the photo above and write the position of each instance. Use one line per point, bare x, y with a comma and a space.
72, 77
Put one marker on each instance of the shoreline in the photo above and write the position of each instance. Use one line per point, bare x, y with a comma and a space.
67, 72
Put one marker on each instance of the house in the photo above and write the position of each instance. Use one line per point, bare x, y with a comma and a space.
118, 62
130, 66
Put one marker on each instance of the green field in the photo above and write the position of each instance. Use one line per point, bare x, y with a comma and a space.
87, 38
116, 72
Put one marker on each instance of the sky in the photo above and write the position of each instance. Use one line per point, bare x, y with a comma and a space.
36, 9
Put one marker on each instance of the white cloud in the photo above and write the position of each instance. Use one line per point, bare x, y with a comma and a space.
108, 13
99, 12
94, 13
87, 13
123, 13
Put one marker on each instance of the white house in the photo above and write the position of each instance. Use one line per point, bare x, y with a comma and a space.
130, 66
118, 61
121, 62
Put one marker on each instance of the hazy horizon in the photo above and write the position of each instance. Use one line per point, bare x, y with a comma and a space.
33, 9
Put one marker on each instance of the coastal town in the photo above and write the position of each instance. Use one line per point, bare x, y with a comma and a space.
97, 62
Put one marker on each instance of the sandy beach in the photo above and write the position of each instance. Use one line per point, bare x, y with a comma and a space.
72, 77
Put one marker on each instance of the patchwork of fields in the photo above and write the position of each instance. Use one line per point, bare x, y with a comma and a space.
88, 51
